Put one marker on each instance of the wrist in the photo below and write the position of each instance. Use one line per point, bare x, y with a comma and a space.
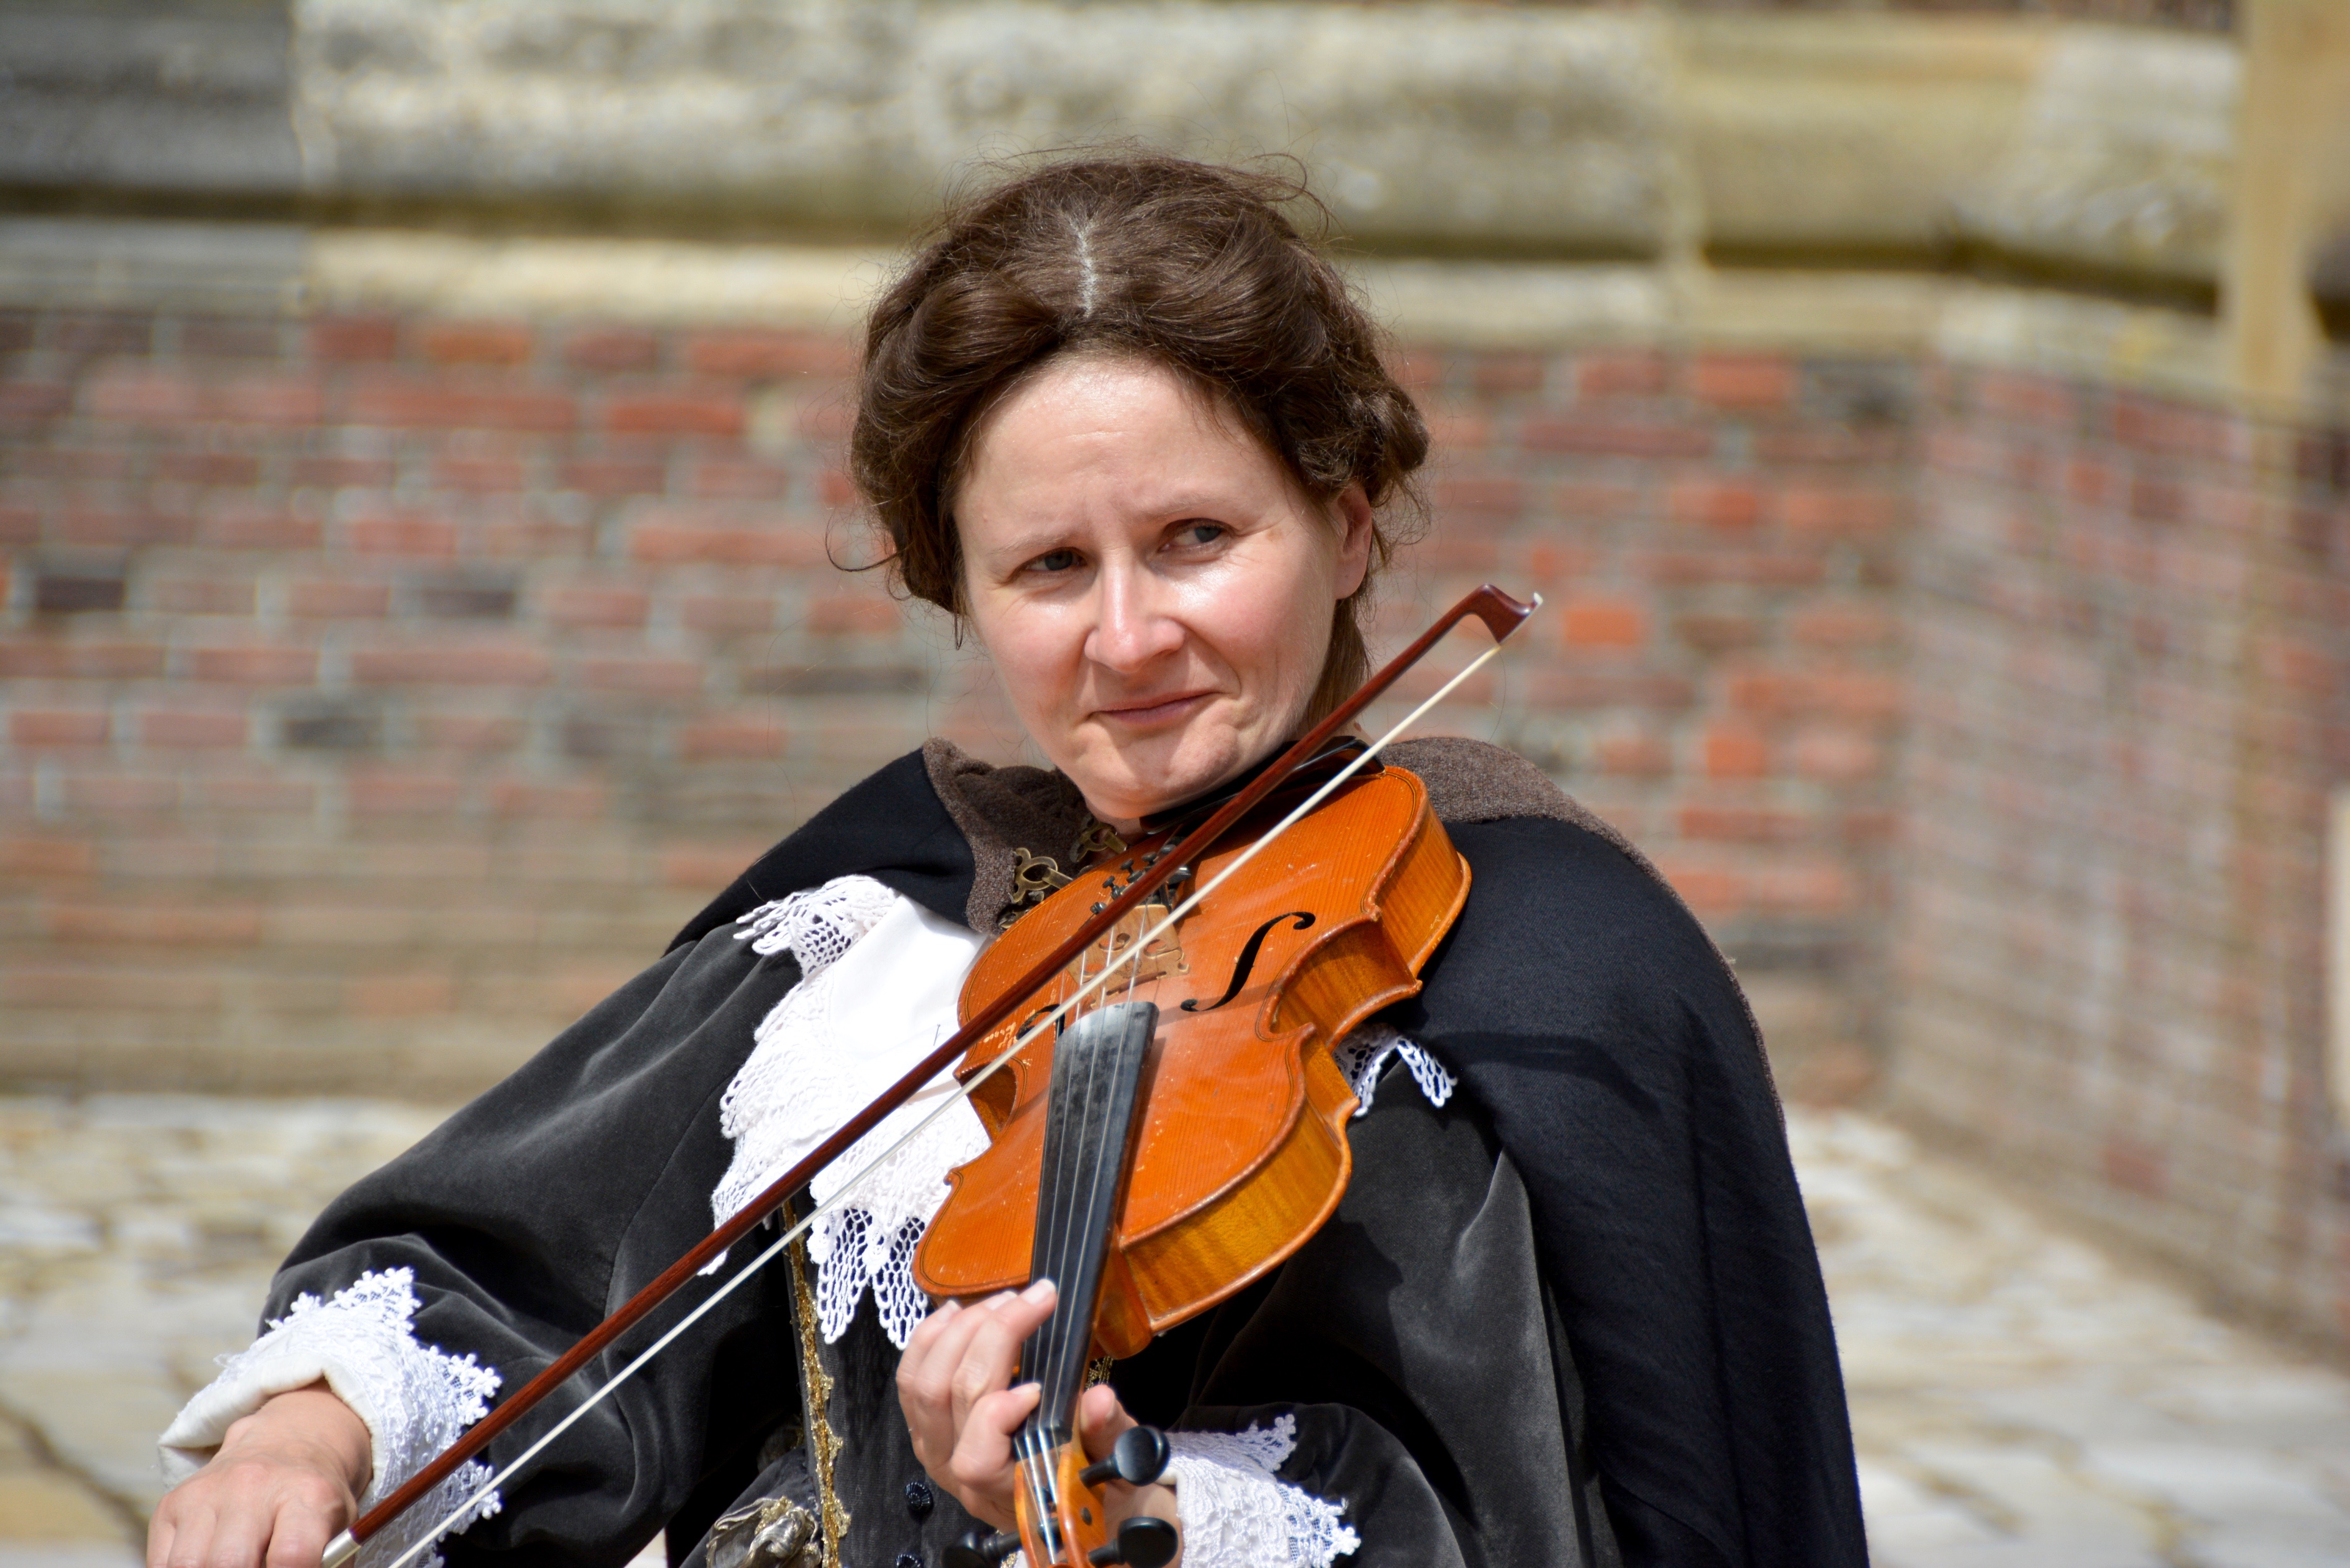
314, 1426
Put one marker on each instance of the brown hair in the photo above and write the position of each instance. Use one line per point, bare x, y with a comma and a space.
1187, 265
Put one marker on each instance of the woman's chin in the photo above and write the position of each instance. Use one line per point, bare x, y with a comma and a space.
1147, 773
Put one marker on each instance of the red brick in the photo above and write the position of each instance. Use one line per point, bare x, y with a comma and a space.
835, 488
1485, 497
757, 481
1633, 754
26, 403
473, 732
728, 612
1735, 752
650, 675
269, 794
737, 739
1507, 372
712, 866
1819, 890
665, 542
1578, 502
122, 795
549, 800
462, 664
478, 474
58, 727
1744, 381
1843, 626
1739, 824
64, 857
413, 995
256, 526
342, 472
149, 396
1719, 632
1837, 756
322, 599
1715, 504
1626, 375
1816, 510
1602, 623
254, 665
676, 413
201, 596
453, 403
211, 924
1781, 568
82, 527
383, 793
173, 727
1710, 891
141, 989
102, 333
612, 477
430, 537
208, 467
475, 342
2038, 400
535, 538
852, 614
349, 337
231, 340
1603, 438
1830, 444
612, 348
763, 355
595, 603
95, 660
1449, 430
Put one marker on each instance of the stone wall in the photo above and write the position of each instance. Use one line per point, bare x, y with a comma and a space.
2130, 623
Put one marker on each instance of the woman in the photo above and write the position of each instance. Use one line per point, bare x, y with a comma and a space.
1128, 428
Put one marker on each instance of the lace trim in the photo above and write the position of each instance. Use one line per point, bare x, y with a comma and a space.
1237, 1512
879, 981
415, 1399
1363, 1057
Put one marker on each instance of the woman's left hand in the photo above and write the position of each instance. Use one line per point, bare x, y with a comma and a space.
954, 1384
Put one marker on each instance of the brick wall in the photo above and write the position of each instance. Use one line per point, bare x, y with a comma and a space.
379, 691
2130, 622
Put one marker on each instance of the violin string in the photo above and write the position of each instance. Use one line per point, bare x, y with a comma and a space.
963, 1092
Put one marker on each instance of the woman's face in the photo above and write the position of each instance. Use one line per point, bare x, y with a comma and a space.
1156, 594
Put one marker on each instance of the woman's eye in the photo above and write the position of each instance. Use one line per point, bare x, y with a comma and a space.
1054, 561
1197, 533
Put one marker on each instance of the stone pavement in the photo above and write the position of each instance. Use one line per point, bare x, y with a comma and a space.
2020, 1400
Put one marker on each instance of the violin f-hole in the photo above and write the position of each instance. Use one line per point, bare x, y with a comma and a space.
1249, 950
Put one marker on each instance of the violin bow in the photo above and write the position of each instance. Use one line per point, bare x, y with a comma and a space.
1501, 616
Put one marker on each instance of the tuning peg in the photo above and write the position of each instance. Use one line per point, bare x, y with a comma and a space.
980, 1549
1142, 1542
1138, 1457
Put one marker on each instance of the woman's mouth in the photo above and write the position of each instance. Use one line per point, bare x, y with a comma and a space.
1155, 711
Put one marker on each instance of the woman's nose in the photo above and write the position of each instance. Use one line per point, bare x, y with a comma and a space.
1132, 625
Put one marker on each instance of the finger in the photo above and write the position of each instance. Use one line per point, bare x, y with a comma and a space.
298, 1539
917, 1343
160, 1531
981, 1468
993, 1353
191, 1536
925, 1388
1101, 1419
240, 1535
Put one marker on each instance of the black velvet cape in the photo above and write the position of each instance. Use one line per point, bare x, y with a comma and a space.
1575, 1316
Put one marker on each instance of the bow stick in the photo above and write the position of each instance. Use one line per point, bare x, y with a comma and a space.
1501, 616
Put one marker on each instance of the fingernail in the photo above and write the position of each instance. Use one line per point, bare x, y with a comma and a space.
1039, 1290
951, 1307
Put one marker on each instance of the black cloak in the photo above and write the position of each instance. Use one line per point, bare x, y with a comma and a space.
1573, 1316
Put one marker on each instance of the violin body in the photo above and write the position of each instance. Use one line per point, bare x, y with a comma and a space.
1238, 1145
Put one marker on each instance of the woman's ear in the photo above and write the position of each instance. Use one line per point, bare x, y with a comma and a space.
1355, 539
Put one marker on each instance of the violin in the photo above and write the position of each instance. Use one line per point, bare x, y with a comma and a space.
1151, 1162
1181, 1131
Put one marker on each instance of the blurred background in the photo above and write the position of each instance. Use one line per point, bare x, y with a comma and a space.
422, 516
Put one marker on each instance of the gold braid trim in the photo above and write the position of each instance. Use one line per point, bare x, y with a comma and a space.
815, 1396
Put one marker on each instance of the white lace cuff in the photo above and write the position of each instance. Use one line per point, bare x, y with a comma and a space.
415, 1399
1238, 1513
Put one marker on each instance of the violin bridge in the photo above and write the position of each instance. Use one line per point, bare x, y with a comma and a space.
1161, 957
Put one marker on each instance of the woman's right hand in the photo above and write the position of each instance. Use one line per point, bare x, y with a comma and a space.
284, 1479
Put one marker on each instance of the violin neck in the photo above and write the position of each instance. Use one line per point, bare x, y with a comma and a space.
1089, 1119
